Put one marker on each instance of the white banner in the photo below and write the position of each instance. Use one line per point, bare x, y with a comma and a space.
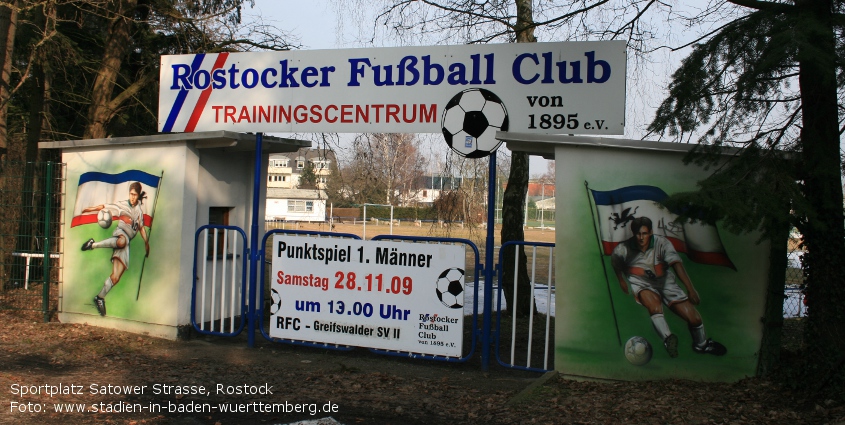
552, 88
376, 294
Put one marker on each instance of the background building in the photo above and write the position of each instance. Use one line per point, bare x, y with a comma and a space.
285, 169
295, 205
427, 189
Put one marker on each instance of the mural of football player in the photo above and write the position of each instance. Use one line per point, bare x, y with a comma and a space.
644, 261
130, 221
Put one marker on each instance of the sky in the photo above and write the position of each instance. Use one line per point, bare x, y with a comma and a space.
312, 20
315, 25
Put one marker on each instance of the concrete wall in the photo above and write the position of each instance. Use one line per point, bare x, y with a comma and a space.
195, 175
149, 294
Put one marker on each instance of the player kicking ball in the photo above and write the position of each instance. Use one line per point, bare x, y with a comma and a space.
644, 261
130, 221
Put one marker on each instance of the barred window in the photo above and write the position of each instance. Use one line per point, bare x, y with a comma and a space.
300, 206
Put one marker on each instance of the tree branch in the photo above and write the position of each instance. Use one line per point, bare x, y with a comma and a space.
764, 5
130, 91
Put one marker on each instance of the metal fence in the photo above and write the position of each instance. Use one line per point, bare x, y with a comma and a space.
793, 292
32, 201
523, 342
218, 306
526, 342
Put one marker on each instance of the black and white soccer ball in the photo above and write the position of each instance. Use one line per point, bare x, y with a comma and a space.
450, 287
470, 121
104, 218
275, 301
638, 351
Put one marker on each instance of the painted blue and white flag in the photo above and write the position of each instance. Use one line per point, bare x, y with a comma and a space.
616, 208
97, 188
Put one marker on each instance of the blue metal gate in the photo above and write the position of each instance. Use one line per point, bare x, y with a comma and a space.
218, 300
522, 348
220, 304
470, 247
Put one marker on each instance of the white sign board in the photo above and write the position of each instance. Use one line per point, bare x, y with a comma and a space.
377, 294
551, 88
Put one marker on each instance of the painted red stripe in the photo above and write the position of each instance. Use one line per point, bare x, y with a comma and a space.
678, 244
608, 247
712, 258
200, 106
83, 219
92, 218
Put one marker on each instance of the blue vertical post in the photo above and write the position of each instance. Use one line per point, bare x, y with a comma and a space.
253, 244
488, 264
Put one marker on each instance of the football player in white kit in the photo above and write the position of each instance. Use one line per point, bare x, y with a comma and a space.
644, 261
129, 215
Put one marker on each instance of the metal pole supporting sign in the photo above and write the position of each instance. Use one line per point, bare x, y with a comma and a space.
254, 254
488, 263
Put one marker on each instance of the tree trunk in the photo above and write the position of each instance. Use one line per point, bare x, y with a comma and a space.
37, 113
8, 28
770, 346
513, 206
38, 86
823, 234
513, 201
101, 110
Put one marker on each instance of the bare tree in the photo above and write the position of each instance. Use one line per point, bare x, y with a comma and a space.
462, 21
549, 175
513, 201
765, 76
196, 26
393, 159
461, 188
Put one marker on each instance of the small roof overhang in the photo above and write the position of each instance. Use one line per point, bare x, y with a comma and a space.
226, 140
544, 144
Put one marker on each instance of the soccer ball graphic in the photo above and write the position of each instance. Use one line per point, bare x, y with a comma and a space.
638, 351
450, 288
104, 218
470, 121
276, 300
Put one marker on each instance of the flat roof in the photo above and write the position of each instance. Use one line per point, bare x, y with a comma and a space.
228, 140
281, 193
544, 144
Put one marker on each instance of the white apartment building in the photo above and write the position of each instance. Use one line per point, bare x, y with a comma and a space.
284, 169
